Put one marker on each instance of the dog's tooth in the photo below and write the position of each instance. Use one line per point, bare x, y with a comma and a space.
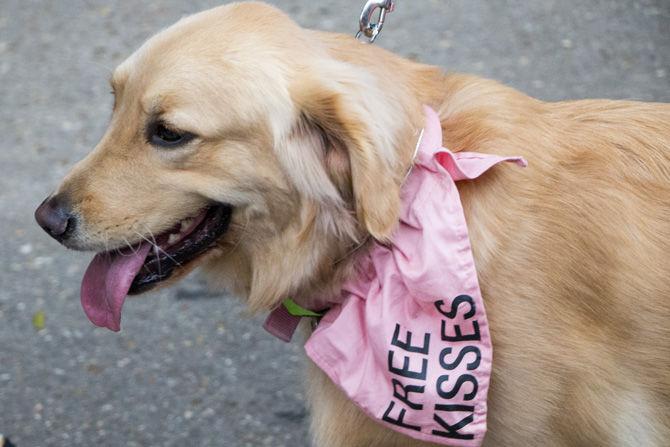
173, 238
185, 224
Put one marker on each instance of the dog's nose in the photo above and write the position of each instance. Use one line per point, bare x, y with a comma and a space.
55, 217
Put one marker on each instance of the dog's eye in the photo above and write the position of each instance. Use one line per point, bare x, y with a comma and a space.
161, 135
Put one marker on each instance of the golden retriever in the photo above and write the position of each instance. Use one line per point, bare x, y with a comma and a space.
267, 153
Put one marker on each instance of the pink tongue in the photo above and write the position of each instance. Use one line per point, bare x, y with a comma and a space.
106, 284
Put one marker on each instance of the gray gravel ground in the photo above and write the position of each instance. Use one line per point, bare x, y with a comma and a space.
190, 368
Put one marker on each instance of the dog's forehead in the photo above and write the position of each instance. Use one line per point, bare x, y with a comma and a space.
251, 38
235, 58
228, 32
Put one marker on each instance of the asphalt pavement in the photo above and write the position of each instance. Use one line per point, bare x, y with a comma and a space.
190, 367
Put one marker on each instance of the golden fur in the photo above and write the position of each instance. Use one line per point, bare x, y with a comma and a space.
310, 142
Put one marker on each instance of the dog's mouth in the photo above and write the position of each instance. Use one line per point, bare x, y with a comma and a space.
185, 242
113, 275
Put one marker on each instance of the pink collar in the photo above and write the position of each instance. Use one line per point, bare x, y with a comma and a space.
410, 342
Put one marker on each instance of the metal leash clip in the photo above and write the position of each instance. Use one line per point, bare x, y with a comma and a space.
369, 29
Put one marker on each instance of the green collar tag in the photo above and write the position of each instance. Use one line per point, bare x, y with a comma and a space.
297, 310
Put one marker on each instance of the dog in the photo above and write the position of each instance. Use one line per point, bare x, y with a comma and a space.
271, 156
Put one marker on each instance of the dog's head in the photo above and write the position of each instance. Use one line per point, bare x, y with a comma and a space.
241, 141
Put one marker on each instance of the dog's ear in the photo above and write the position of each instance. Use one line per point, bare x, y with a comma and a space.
348, 126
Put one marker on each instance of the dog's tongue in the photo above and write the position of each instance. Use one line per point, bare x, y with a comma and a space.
106, 284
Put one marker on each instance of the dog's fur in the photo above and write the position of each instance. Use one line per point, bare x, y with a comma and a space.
310, 142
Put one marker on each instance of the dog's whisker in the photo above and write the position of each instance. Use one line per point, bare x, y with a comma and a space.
160, 272
157, 247
105, 241
153, 238
132, 249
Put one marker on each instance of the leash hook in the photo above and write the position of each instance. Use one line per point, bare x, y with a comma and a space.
368, 28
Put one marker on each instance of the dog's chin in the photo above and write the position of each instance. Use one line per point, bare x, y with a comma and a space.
178, 252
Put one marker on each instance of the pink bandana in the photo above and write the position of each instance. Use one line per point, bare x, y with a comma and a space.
410, 343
